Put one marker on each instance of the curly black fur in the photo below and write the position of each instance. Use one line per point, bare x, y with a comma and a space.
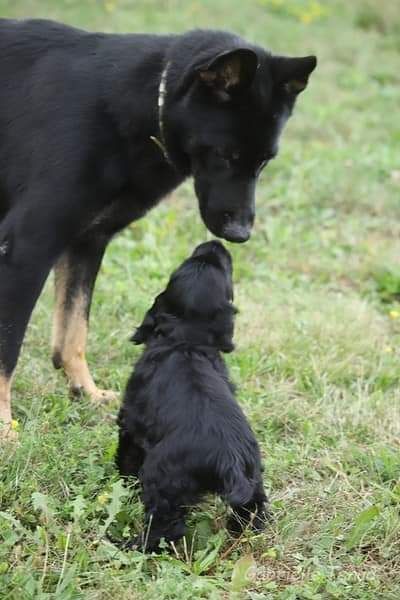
181, 430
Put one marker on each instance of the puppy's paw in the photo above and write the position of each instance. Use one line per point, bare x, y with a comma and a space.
256, 521
259, 522
132, 544
135, 543
145, 545
235, 526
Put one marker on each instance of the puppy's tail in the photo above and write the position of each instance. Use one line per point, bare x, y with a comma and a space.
239, 490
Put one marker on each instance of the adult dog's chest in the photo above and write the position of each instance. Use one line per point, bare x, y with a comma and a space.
143, 189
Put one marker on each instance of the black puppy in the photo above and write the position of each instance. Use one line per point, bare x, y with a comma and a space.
95, 129
181, 430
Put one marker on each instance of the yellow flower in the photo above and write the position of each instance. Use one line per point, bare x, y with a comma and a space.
316, 9
103, 498
388, 349
394, 314
109, 6
306, 18
311, 12
14, 425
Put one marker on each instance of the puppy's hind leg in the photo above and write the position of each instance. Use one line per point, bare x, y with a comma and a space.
253, 513
130, 456
75, 276
167, 493
164, 520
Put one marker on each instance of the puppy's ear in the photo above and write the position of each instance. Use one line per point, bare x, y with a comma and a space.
225, 343
223, 328
144, 330
293, 73
149, 324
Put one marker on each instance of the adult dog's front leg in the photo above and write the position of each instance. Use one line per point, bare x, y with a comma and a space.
75, 276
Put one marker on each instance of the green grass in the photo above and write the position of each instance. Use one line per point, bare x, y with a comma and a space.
317, 359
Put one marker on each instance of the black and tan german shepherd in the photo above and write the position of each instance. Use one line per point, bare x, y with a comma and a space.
95, 129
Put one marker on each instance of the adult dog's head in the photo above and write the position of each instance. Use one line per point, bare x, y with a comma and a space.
196, 305
225, 106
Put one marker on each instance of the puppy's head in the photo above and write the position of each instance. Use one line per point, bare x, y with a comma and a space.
196, 302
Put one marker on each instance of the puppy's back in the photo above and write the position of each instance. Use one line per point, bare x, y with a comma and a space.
182, 403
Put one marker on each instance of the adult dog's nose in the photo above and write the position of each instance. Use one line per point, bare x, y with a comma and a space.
233, 232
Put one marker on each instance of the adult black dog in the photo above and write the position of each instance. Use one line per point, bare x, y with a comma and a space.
181, 430
94, 130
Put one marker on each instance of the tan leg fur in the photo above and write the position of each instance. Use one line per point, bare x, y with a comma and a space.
6, 430
70, 328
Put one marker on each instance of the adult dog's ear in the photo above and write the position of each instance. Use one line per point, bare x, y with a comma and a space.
149, 323
293, 73
222, 327
229, 72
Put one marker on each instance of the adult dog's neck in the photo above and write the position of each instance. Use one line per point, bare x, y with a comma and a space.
130, 70
136, 88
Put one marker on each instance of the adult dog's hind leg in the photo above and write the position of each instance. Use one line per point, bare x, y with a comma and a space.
75, 276
27, 252
5, 379
5, 404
